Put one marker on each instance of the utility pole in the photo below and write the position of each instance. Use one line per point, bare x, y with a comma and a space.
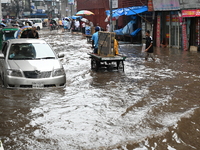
111, 25
0, 12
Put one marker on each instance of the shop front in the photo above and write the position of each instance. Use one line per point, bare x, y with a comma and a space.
168, 29
191, 19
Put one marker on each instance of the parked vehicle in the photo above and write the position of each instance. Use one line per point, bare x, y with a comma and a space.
7, 33
17, 21
38, 22
31, 21
30, 63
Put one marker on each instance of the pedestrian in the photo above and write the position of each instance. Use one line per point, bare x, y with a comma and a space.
72, 25
65, 25
91, 23
77, 25
108, 27
33, 33
60, 23
100, 29
149, 46
95, 40
83, 25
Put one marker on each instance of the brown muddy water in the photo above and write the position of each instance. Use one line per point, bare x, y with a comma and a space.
149, 106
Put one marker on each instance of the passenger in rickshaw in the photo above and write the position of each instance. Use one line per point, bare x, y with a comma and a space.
95, 40
24, 34
33, 33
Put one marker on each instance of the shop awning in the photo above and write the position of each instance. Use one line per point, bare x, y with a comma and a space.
36, 15
39, 14
127, 11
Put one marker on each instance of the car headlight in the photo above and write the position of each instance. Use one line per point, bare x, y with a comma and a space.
58, 72
16, 73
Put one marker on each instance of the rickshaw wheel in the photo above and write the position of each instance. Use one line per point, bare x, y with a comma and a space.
95, 64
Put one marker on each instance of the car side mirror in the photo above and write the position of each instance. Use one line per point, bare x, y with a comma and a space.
2, 56
60, 55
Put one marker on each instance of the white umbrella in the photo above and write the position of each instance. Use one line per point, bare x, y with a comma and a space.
67, 18
84, 20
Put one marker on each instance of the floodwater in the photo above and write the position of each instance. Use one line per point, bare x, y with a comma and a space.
149, 106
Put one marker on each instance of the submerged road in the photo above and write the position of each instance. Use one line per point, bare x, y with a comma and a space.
151, 105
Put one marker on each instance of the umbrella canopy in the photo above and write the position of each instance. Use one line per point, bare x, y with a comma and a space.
2, 24
19, 33
76, 17
66, 18
84, 12
84, 20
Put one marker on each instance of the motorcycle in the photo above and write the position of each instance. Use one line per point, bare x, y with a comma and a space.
52, 27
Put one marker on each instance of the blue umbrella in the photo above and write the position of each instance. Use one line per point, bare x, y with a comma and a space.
4, 25
76, 17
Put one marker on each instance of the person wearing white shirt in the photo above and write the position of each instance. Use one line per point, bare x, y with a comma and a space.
91, 24
77, 25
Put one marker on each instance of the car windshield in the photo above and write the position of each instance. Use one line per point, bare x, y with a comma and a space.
25, 51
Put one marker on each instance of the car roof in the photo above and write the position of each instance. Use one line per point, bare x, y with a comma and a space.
24, 40
9, 28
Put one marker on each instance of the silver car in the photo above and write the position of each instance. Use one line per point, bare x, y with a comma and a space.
30, 63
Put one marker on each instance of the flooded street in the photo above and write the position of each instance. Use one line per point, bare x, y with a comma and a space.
149, 106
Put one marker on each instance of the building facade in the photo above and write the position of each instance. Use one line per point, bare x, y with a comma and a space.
177, 23
99, 7
38, 8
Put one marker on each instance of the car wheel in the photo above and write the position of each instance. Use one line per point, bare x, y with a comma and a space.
38, 28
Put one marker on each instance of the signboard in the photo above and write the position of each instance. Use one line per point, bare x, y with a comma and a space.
167, 20
150, 5
56, 11
191, 13
160, 5
184, 34
114, 3
5, 1
197, 31
71, 2
26, 13
189, 4
158, 32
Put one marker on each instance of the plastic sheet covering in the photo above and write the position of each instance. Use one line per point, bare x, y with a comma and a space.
127, 11
119, 31
128, 29
134, 33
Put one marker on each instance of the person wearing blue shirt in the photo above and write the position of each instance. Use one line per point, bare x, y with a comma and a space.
95, 40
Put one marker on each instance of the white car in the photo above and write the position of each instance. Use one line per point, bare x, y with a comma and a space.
33, 21
30, 63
